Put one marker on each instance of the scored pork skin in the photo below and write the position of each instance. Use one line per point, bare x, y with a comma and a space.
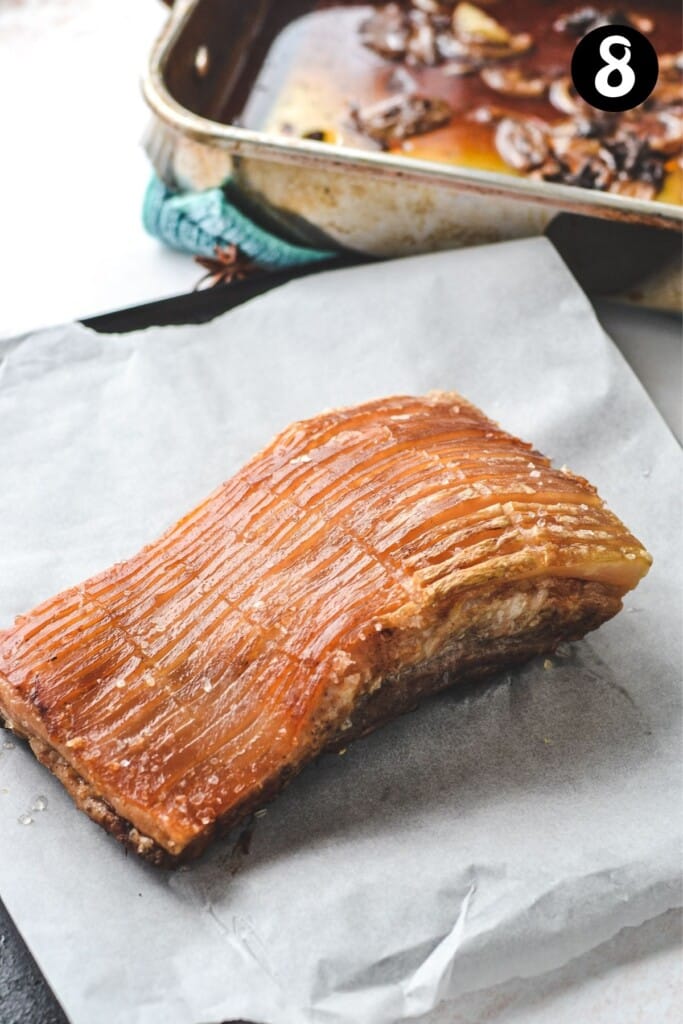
366, 557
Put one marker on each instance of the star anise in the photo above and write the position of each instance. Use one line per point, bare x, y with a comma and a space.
229, 264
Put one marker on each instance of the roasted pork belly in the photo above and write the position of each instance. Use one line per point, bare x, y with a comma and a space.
367, 557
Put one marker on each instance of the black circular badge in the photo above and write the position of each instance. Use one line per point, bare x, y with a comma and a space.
614, 67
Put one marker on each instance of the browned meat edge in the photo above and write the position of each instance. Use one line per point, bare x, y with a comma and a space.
572, 609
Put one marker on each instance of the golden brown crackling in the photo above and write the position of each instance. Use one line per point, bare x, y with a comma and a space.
182, 687
460, 658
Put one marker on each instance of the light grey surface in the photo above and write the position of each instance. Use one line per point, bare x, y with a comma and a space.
85, 103
637, 975
652, 343
491, 835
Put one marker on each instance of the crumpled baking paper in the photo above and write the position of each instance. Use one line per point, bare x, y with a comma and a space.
498, 831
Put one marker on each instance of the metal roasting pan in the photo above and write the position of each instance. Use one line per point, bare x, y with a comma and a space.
317, 193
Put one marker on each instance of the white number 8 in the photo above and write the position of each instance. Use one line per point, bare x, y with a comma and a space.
627, 78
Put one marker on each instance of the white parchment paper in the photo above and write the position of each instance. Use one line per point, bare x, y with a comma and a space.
496, 832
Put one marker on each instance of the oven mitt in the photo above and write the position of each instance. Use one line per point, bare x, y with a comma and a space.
198, 222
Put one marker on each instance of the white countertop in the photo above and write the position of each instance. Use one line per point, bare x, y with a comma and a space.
73, 171
73, 176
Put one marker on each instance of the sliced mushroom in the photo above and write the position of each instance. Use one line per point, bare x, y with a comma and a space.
550, 170
596, 124
636, 189
518, 45
511, 81
422, 49
667, 92
426, 35
641, 22
564, 97
587, 163
387, 31
522, 144
669, 88
593, 173
473, 25
653, 170
577, 22
584, 19
661, 132
451, 48
629, 151
399, 117
671, 65
565, 144
670, 140
570, 129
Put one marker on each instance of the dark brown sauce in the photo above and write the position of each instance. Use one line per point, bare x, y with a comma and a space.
308, 65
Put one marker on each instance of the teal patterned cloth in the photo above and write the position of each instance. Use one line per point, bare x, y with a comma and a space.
198, 222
